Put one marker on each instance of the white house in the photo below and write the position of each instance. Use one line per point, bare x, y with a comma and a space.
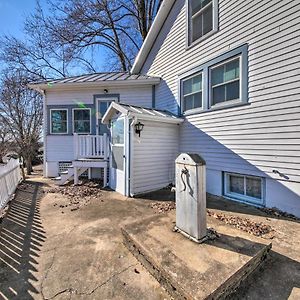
225, 77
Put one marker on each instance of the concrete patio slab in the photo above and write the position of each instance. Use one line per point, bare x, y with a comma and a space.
187, 270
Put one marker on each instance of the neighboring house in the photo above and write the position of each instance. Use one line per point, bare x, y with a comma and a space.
229, 71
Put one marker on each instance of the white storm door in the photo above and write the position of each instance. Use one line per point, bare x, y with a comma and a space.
117, 170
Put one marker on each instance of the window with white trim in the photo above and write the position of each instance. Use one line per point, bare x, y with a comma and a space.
59, 121
219, 83
192, 92
225, 81
202, 16
244, 187
82, 120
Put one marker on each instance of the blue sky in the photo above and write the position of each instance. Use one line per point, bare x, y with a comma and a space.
12, 14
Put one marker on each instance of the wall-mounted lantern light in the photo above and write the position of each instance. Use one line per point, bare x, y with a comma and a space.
105, 91
138, 128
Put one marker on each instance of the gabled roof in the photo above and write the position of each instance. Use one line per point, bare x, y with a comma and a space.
138, 112
158, 23
105, 78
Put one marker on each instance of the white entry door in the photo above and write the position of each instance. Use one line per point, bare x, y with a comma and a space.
117, 170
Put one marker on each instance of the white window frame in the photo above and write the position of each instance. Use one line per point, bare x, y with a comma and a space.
229, 102
215, 21
244, 198
59, 109
204, 68
73, 121
196, 109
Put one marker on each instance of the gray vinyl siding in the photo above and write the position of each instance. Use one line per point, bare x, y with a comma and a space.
252, 139
153, 156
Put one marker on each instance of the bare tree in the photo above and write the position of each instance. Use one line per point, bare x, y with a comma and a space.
85, 26
143, 13
21, 112
4, 140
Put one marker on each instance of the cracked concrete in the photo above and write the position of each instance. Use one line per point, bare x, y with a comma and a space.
48, 252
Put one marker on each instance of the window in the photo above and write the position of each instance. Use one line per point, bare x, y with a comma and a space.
118, 132
202, 18
192, 92
59, 121
216, 84
118, 144
81, 120
244, 187
225, 82
102, 108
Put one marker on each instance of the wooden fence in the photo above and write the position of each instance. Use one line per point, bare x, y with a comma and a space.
10, 177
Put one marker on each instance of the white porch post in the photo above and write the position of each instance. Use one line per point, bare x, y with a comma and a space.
105, 177
76, 177
105, 145
90, 173
76, 152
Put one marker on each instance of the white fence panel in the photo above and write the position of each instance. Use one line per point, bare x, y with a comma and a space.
10, 177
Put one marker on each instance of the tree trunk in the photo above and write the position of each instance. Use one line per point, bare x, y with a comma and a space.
28, 166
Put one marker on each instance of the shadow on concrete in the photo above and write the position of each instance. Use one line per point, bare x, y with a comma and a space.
277, 279
21, 239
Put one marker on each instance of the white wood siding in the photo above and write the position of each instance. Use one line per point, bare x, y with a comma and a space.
60, 148
153, 157
264, 135
131, 95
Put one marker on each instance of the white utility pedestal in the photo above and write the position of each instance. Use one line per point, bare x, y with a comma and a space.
191, 196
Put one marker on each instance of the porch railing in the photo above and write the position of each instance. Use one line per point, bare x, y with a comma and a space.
91, 146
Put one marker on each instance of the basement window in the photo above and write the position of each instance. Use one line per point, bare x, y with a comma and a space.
59, 121
202, 19
244, 187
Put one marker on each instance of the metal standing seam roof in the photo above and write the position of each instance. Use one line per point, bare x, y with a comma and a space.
140, 113
98, 77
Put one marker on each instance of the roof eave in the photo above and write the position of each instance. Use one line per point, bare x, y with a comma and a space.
160, 18
116, 83
169, 120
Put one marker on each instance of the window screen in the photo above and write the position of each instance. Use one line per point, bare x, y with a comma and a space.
225, 82
59, 121
192, 92
244, 187
82, 120
201, 18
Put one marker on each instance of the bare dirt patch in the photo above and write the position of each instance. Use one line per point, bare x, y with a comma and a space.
163, 207
78, 195
245, 224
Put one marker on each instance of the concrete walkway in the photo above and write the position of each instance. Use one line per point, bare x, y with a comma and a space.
48, 251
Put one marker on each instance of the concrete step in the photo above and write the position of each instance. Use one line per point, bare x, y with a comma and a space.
187, 270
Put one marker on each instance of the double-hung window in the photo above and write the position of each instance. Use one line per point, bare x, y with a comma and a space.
59, 121
192, 92
82, 120
202, 19
219, 83
225, 81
